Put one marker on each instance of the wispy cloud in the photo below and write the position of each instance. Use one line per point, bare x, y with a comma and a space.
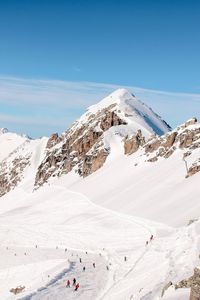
31, 120
39, 107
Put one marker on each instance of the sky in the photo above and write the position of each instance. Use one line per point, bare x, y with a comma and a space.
57, 57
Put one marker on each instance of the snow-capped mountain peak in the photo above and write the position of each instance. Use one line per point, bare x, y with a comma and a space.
135, 113
86, 145
118, 97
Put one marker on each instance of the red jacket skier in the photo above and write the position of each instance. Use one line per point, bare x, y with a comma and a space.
77, 286
68, 283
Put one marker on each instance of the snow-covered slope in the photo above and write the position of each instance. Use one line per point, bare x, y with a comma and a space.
37, 227
9, 142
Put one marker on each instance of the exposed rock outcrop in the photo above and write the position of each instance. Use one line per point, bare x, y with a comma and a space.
186, 137
195, 167
53, 140
12, 173
17, 290
132, 144
193, 283
93, 161
183, 137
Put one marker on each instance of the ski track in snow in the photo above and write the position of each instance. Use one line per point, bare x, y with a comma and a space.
47, 288
88, 280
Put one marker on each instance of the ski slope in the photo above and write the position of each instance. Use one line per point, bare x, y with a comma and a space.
54, 218
158, 191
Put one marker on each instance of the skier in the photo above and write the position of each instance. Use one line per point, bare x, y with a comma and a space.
107, 267
74, 281
83, 269
77, 286
68, 283
147, 243
125, 259
151, 238
80, 260
94, 265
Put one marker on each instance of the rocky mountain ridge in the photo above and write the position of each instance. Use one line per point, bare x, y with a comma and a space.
85, 146
186, 138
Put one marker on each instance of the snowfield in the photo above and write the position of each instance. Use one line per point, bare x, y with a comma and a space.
37, 227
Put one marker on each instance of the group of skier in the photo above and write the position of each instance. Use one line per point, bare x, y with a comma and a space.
75, 284
68, 284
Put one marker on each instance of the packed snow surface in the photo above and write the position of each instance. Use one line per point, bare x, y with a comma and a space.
45, 233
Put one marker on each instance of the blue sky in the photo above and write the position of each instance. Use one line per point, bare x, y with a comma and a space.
150, 44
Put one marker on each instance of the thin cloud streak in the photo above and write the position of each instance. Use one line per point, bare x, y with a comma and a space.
54, 104
31, 121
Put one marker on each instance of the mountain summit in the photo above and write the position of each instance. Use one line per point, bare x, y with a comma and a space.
134, 112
